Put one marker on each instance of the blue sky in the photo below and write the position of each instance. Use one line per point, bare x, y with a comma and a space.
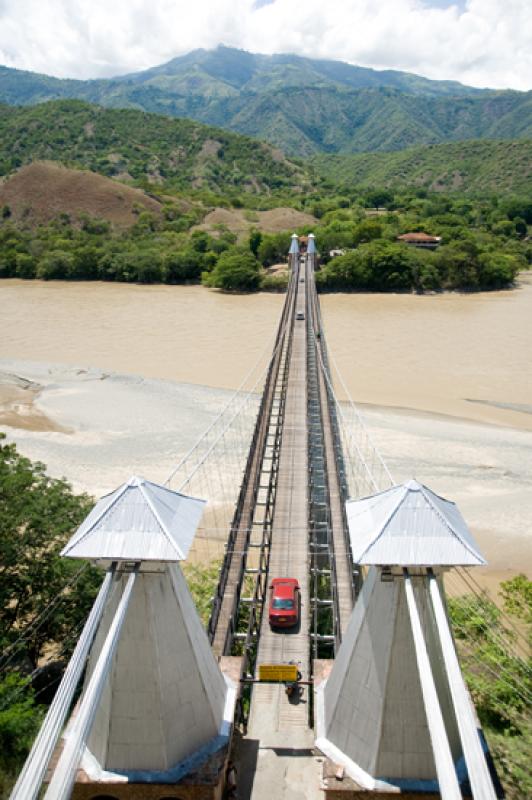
486, 43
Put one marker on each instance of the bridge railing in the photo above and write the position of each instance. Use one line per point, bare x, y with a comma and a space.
233, 567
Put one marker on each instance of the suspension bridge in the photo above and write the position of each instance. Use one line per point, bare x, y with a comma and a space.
295, 488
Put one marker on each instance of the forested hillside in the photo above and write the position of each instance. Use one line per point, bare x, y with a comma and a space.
180, 155
301, 105
475, 166
137, 146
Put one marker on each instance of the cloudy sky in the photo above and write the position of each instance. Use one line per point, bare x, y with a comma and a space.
478, 42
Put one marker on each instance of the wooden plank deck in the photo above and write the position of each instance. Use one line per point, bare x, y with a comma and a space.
281, 727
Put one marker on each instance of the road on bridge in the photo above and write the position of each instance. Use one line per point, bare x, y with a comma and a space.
278, 729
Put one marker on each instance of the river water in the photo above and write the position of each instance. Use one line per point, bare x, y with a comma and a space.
124, 378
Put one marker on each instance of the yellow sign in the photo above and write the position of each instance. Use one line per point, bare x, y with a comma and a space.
278, 672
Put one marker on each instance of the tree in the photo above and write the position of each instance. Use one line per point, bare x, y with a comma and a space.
376, 198
25, 265
517, 597
202, 580
497, 269
273, 248
38, 514
255, 238
379, 266
458, 265
56, 265
237, 270
19, 719
499, 680
366, 231
186, 265
392, 266
349, 272
518, 207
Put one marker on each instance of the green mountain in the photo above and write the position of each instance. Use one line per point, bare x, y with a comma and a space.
146, 148
301, 105
478, 167
174, 154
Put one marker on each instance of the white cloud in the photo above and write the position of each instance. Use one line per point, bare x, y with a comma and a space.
479, 42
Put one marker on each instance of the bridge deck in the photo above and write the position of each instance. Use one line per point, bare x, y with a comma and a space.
279, 725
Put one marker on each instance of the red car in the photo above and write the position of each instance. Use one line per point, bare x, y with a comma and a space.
284, 602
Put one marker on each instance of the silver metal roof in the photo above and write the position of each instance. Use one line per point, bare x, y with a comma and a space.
409, 525
294, 245
139, 521
311, 246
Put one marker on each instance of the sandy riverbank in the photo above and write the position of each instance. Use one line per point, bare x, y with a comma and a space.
102, 427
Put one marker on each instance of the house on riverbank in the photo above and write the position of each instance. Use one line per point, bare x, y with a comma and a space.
420, 239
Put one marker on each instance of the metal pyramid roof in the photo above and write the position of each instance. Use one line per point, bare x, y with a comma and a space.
294, 245
139, 521
409, 525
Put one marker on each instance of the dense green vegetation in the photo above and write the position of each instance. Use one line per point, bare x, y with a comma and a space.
500, 682
152, 150
236, 270
302, 105
151, 252
202, 581
470, 166
484, 244
37, 516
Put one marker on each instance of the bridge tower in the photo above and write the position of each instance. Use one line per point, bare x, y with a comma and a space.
395, 712
155, 706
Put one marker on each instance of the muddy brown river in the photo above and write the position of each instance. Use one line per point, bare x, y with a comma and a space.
463, 355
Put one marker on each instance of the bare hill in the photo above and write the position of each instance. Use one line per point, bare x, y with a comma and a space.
239, 221
41, 191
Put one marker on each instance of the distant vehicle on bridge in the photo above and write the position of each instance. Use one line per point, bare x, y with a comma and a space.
284, 602
300, 315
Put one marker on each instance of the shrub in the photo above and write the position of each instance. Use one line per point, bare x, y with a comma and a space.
237, 270
273, 248
57, 264
497, 270
183, 266
25, 266
274, 283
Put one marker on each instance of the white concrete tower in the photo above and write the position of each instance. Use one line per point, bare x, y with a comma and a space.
311, 246
395, 711
163, 705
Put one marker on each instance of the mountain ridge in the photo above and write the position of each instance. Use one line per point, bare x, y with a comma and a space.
302, 105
